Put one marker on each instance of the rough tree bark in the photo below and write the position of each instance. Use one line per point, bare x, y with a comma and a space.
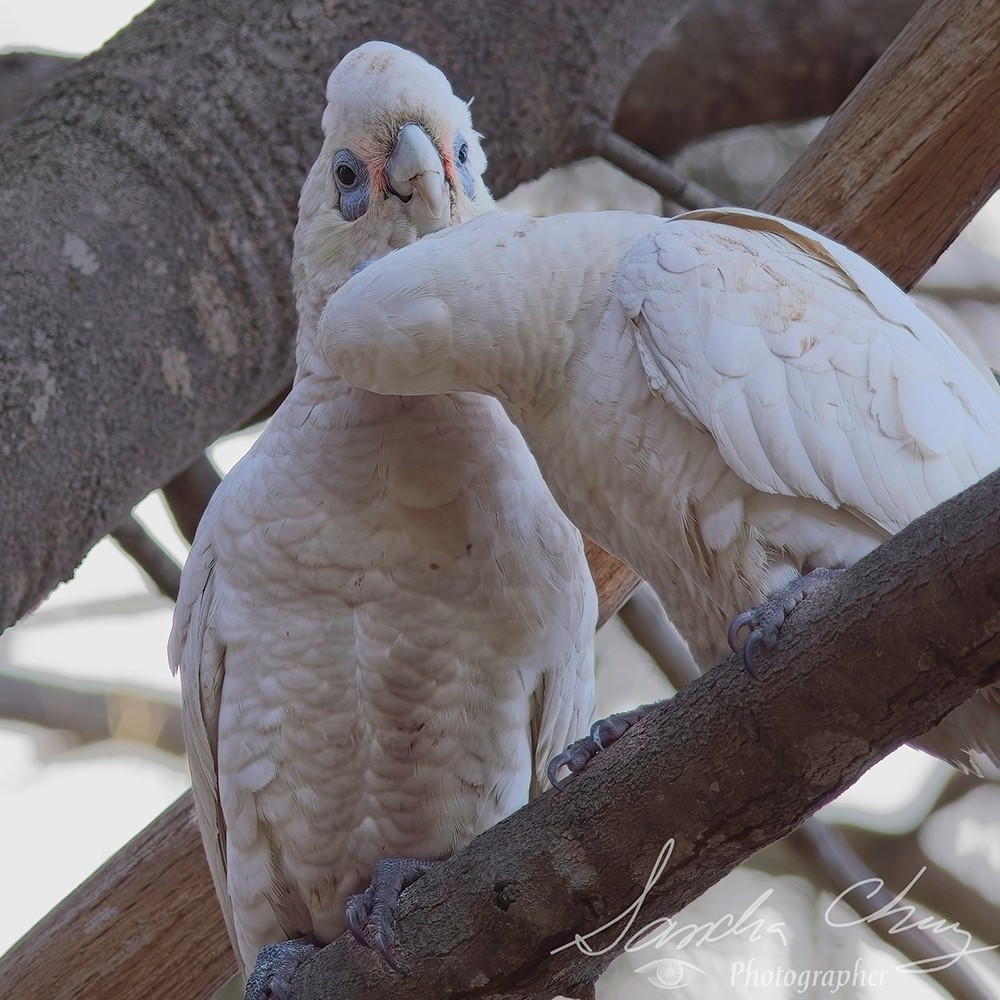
25, 76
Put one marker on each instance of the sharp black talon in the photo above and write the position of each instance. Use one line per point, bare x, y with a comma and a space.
740, 622
385, 950
553, 769
354, 924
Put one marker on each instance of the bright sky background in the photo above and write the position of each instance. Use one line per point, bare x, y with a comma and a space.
65, 813
76, 26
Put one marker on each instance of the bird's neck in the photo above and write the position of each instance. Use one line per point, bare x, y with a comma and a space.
327, 253
308, 359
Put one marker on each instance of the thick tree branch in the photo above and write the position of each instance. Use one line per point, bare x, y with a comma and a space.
727, 766
730, 63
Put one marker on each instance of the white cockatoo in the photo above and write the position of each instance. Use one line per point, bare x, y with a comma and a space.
385, 624
724, 400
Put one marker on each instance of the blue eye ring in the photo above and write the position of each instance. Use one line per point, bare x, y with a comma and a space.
460, 149
350, 175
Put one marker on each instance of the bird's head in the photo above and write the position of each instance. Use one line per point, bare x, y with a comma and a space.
400, 159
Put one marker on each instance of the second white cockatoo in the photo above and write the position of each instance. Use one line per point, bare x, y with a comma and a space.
726, 400
385, 624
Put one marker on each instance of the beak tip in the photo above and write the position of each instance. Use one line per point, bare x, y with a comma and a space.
416, 165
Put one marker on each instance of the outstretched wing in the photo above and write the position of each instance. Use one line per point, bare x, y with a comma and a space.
815, 375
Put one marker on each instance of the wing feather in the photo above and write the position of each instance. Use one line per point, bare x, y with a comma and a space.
817, 377
197, 653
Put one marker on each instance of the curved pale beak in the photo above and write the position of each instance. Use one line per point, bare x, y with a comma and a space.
415, 165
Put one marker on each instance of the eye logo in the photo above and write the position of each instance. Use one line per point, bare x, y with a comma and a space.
668, 973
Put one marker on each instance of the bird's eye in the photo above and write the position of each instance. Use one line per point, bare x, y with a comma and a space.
351, 177
347, 177
462, 165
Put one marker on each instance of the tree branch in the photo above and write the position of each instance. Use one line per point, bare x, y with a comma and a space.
829, 853
188, 493
645, 167
724, 768
731, 63
921, 123
92, 712
937, 889
133, 539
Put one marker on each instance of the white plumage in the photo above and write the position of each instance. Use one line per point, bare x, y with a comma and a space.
724, 400
385, 623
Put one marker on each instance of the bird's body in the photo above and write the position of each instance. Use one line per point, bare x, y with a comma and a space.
385, 623
757, 401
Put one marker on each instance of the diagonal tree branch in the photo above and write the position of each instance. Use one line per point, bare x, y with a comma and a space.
827, 851
143, 549
767, 60
726, 767
643, 166
188, 493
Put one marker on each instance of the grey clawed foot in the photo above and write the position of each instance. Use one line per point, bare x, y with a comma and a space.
765, 620
603, 734
271, 977
375, 909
